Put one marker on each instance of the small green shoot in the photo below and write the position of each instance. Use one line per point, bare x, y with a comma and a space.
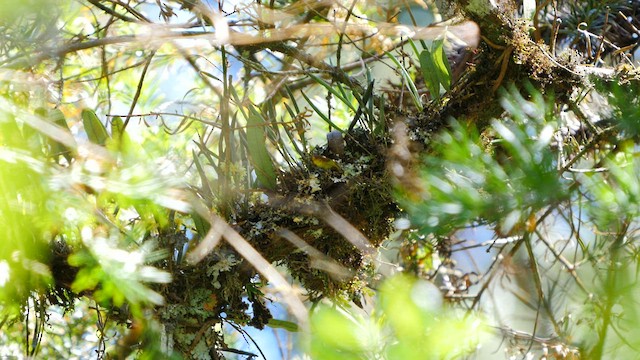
415, 96
435, 69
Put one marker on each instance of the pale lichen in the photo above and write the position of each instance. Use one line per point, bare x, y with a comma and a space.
480, 7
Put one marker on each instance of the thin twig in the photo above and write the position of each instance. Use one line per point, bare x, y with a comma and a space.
138, 89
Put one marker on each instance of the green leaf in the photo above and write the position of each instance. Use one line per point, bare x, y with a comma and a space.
429, 75
283, 324
96, 132
442, 70
408, 321
435, 68
120, 140
338, 335
338, 94
463, 182
117, 127
415, 96
57, 117
207, 193
10, 134
202, 225
319, 112
381, 122
258, 153
33, 137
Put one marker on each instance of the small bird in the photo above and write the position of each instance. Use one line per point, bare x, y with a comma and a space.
335, 142
324, 162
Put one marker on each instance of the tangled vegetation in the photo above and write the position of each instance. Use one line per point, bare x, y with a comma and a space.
184, 170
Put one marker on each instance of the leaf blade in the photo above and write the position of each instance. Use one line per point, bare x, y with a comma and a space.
258, 153
96, 132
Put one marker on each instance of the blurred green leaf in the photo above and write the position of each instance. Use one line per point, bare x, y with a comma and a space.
96, 131
202, 226
34, 139
57, 149
120, 140
624, 105
115, 275
616, 193
463, 182
405, 317
283, 324
257, 145
23, 214
12, 10
409, 323
337, 335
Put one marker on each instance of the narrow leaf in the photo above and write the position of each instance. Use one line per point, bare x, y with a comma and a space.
283, 324
258, 153
442, 68
206, 189
410, 84
57, 117
428, 68
202, 225
338, 94
318, 111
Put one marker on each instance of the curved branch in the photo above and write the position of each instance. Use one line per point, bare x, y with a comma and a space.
112, 12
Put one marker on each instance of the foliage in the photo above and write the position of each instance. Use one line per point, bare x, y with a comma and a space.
435, 67
509, 180
408, 323
504, 181
174, 171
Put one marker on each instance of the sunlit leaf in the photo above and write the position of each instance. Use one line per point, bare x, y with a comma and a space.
435, 68
413, 91
442, 68
95, 129
119, 137
464, 183
260, 158
337, 336
57, 149
283, 324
